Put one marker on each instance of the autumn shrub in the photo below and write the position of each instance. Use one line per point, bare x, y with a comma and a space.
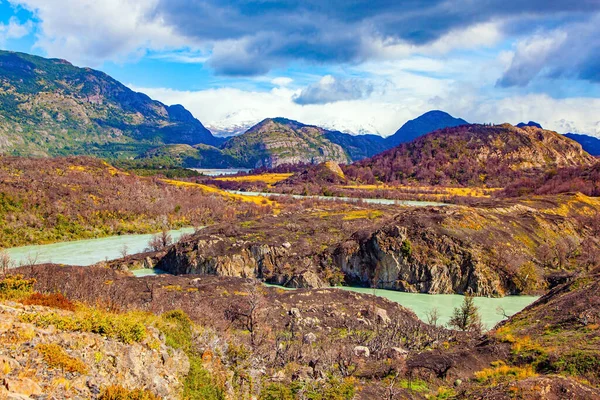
56, 357
500, 372
117, 392
15, 286
53, 300
127, 328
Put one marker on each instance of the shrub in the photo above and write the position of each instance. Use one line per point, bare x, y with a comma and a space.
277, 391
466, 317
502, 372
15, 286
54, 300
56, 357
116, 392
128, 327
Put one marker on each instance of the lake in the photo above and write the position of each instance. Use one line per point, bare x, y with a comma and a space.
421, 304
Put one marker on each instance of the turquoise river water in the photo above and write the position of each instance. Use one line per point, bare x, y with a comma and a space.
88, 252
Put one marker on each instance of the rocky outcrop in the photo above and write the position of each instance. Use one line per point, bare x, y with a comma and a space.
385, 260
219, 256
149, 365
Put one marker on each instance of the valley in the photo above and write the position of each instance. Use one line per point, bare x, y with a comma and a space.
141, 257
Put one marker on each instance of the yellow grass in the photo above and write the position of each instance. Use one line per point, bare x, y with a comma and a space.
269, 179
351, 215
213, 190
439, 191
501, 372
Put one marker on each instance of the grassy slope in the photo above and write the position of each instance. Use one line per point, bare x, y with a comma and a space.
50, 200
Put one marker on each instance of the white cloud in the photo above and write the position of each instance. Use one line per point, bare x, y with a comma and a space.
228, 107
14, 29
90, 31
282, 81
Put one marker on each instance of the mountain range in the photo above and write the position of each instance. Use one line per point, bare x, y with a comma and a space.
50, 107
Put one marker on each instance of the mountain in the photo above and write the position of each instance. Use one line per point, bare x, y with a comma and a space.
50, 107
473, 155
428, 122
276, 141
358, 146
530, 123
590, 144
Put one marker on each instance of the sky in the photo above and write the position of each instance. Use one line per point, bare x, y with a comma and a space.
357, 66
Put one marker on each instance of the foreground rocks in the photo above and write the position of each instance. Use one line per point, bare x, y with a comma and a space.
25, 372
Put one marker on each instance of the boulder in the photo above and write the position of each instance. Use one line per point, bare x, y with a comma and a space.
362, 351
310, 338
382, 316
24, 386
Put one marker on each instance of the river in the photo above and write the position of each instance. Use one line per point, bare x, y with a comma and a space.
85, 252
412, 203
88, 252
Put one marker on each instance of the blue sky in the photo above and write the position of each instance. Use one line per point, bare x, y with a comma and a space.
353, 65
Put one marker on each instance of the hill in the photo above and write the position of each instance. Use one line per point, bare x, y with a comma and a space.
590, 144
583, 179
473, 155
50, 107
277, 141
426, 123
45, 200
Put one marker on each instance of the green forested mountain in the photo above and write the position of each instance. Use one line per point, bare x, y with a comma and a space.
50, 107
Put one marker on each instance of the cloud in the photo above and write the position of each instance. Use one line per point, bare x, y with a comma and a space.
330, 89
91, 32
384, 112
282, 81
251, 37
14, 29
569, 52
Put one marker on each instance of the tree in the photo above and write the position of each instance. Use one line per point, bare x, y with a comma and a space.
466, 317
5, 262
160, 241
433, 316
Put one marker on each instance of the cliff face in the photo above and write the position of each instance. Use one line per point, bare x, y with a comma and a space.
219, 256
70, 364
386, 260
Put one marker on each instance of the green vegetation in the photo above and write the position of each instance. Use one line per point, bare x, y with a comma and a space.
51, 107
179, 334
14, 287
466, 317
330, 389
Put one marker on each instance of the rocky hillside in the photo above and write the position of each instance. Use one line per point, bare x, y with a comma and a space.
279, 141
50, 107
252, 341
424, 124
495, 249
473, 155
